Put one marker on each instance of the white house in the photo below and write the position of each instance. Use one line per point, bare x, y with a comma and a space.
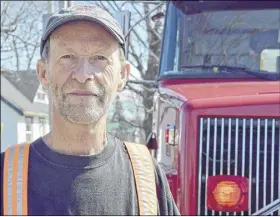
24, 108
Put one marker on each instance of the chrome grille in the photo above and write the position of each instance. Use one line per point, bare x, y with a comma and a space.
243, 147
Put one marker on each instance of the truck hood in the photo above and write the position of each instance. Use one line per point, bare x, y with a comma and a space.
192, 91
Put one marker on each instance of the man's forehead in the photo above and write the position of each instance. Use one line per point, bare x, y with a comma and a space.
86, 37
82, 29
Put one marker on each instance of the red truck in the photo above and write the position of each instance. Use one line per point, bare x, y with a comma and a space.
217, 108
216, 118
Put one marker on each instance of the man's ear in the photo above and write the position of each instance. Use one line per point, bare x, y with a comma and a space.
42, 73
124, 76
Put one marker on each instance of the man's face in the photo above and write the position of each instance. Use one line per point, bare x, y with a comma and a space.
83, 71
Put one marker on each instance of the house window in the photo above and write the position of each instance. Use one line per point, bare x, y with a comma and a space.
41, 96
42, 122
28, 137
29, 123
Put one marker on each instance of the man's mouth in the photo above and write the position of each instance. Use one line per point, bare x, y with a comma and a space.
82, 93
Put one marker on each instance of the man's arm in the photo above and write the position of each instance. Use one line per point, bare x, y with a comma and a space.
1, 176
167, 205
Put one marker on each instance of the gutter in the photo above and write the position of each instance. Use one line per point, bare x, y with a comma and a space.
21, 112
18, 110
30, 113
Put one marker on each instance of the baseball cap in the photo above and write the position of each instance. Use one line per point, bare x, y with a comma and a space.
84, 13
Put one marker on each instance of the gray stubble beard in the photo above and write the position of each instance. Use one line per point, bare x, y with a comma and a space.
72, 113
91, 113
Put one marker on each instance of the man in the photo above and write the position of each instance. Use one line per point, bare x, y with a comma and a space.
78, 169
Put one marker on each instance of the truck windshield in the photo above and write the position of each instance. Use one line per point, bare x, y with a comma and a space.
202, 38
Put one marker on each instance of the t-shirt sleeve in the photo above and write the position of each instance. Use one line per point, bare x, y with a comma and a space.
166, 203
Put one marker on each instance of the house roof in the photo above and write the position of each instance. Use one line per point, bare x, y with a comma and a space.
25, 81
14, 107
11, 93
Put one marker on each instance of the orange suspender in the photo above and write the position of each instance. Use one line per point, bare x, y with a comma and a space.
15, 180
144, 173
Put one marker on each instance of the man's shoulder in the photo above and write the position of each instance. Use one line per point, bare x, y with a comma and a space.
124, 149
20, 144
2, 159
12, 146
158, 170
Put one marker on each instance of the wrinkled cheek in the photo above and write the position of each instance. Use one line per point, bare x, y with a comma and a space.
56, 91
110, 79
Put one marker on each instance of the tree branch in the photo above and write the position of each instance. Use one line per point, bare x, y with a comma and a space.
137, 35
133, 76
138, 92
116, 5
25, 42
137, 59
6, 58
16, 54
143, 43
110, 4
159, 37
145, 17
30, 57
123, 120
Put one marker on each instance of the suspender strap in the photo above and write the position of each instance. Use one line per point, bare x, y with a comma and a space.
144, 174
15, 177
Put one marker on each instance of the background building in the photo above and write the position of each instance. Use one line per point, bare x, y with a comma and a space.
24, 108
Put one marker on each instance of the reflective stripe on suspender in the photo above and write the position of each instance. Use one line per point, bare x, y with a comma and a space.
15, 178
144, 174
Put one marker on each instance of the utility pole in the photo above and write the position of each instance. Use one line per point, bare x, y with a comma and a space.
45, 20
123, 17
64, 4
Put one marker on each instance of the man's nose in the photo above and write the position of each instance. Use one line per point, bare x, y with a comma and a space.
84, 71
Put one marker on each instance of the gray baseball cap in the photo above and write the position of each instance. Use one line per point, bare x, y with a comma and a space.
86, 13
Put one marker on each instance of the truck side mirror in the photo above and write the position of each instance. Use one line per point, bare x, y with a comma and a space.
123, 17
152, 142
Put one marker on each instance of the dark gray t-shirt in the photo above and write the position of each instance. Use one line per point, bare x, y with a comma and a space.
102, 184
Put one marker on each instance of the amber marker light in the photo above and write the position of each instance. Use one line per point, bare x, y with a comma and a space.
227, 193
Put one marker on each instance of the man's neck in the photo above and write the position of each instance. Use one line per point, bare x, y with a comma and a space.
76, 139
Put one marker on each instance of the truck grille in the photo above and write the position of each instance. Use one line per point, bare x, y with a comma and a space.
247, 147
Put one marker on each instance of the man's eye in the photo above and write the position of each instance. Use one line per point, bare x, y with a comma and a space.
99, 58
68, 57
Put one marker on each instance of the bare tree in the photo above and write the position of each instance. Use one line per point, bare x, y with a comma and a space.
21, 27
144, 54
